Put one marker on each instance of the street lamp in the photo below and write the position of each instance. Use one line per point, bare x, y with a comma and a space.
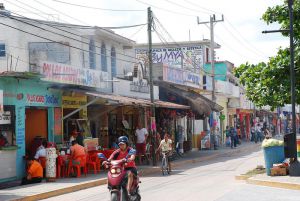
294, 169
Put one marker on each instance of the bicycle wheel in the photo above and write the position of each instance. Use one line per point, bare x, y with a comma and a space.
163, 165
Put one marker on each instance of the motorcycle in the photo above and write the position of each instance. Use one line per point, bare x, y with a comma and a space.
117, 180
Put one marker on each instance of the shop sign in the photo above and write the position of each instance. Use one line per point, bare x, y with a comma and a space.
182, 77
139, 84
192, 79
42, 99
56, 72
5, 117
173, 75
73, 101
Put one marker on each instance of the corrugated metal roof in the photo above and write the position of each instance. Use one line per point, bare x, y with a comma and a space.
124, 100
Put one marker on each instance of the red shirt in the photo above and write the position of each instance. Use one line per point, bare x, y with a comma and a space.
122, 155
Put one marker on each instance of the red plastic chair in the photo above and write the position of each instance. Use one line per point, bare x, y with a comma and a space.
62, 166
82, 164
93, 162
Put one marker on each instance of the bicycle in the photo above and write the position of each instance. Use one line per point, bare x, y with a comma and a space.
165, 169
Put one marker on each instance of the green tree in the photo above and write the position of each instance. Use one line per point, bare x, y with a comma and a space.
269, 83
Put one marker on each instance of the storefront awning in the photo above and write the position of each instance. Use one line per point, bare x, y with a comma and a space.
124, 100
198, 103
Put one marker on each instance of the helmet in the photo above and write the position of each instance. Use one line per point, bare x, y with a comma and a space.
123, 139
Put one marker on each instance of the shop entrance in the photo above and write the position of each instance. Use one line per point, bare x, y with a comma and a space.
36, 128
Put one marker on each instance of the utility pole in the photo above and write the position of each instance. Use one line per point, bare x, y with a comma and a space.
153, 132
212, 22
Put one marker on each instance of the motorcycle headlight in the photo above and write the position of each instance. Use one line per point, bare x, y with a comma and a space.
118, 170
113, 171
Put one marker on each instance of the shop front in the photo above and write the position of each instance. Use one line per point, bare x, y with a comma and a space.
30, 115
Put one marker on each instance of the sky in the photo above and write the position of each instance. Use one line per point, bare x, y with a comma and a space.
240, 34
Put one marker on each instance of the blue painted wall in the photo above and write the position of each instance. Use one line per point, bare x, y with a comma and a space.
220, 70
25, 93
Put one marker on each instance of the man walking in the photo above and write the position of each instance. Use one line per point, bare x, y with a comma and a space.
141, 139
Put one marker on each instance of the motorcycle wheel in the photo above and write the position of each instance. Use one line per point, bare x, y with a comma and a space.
114, 196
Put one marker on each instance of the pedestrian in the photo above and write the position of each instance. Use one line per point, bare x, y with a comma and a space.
227, 134
141, 139
80, 138
233, 136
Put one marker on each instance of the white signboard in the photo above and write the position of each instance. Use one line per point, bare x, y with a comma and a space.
56, 72
5, 118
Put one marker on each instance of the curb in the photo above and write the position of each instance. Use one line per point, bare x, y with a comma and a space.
242, 177
285, 185
143, 172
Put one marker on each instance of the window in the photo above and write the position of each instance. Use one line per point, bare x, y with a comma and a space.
113, 62
92, 53
2, 50
103, 58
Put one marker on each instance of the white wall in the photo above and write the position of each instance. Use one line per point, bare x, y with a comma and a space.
123, 88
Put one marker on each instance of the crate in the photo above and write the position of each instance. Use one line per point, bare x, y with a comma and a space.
278, 171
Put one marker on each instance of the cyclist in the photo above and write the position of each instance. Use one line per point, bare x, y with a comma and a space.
121, 153
166, 146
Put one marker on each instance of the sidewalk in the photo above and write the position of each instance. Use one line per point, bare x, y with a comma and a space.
67, 185
287, 182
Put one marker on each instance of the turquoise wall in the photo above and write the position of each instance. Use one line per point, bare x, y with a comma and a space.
25, 93
220, 70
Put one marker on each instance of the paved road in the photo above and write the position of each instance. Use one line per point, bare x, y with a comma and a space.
205, 181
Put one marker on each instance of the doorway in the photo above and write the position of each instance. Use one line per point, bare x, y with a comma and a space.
36, 128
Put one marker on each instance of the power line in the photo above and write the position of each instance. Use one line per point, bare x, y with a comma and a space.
166, 10
58, 11
140, 29
74, 47
62, 34
182, 6
55, 27
97, 8
203, 8
238, 40
244, 38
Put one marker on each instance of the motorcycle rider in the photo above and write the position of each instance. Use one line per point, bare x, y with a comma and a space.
122, 153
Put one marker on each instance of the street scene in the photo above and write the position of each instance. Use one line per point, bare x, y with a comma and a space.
130, 100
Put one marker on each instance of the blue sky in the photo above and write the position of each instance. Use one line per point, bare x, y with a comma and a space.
239, 35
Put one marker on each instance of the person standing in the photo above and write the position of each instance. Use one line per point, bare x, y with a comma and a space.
141, 139
227, 134
233, 136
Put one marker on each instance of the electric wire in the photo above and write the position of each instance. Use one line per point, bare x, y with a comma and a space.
97, 8
71, 46
48, 24
244, 38
166, 10
239, 41
80, 41
182, 6
203, 8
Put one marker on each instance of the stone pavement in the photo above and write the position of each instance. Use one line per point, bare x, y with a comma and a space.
67, 185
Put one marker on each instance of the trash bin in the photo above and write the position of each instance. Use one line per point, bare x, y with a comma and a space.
272, 155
